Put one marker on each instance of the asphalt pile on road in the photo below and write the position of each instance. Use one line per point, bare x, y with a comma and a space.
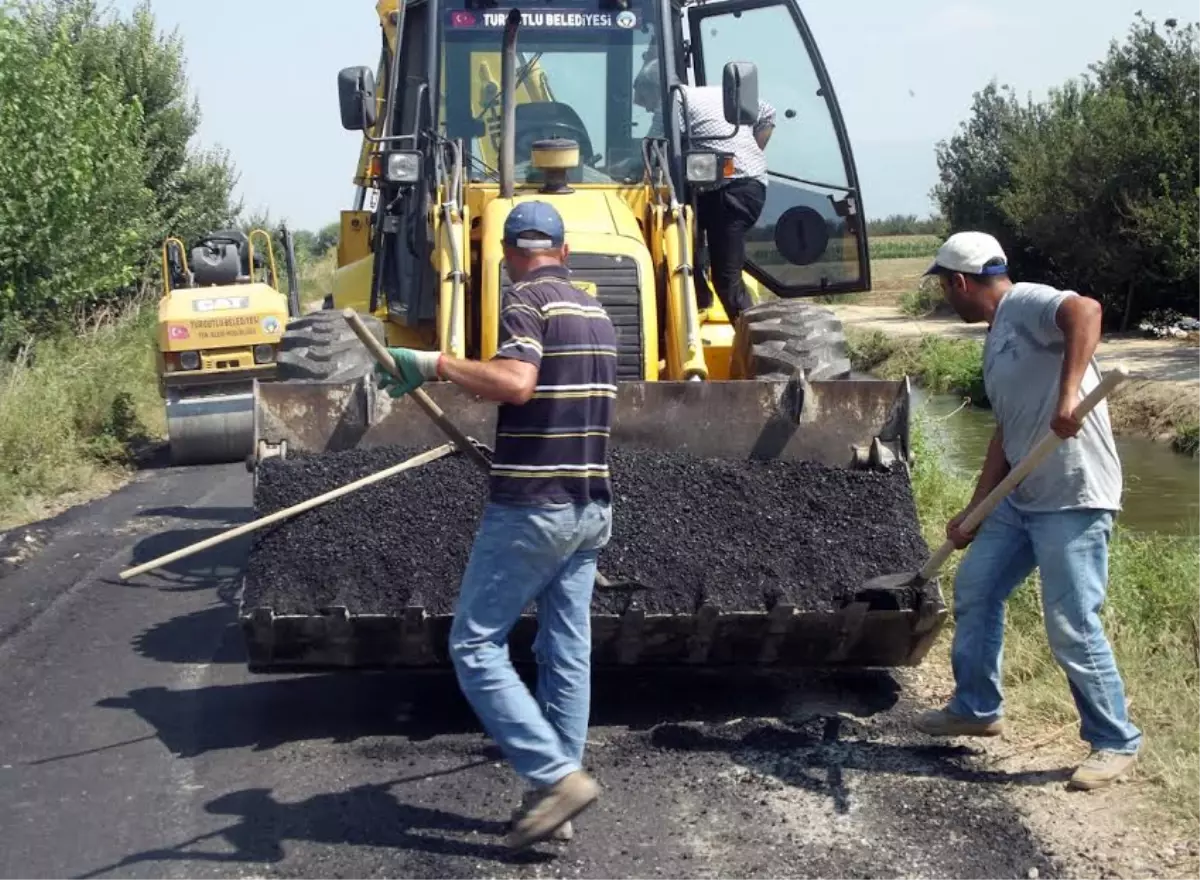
742, 535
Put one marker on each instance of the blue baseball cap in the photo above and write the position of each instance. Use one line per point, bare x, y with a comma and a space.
534, 225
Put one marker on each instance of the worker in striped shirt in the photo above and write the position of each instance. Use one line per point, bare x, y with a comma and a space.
548, 516
730, 210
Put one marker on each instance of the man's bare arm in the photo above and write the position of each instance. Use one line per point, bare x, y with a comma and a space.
505, 380
1079, 319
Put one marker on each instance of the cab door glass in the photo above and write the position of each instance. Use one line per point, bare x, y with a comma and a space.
808, 238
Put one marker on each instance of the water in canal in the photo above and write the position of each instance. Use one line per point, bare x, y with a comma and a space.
1162, 487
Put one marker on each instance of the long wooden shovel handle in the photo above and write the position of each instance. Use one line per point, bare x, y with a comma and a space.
246, 528
1036, 456
379, 351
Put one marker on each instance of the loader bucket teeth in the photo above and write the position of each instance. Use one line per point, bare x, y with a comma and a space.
835, 423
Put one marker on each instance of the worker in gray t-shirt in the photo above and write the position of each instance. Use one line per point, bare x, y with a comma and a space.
1038, 364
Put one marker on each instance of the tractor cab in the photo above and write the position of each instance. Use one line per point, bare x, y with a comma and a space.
445, 133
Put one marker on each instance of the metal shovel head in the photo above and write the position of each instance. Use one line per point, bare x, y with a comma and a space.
831, 422
904, 580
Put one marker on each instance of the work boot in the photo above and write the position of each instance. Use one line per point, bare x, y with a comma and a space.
1101, 768
563, 832
941, 722
552, 808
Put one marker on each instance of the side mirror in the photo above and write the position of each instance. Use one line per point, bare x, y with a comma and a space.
356, 95
739, 86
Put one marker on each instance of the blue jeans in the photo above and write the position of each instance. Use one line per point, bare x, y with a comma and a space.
1070, 550
524, 553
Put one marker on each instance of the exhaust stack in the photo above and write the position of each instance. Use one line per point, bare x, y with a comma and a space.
508, 105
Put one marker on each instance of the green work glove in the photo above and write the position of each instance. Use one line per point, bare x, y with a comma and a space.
414, 368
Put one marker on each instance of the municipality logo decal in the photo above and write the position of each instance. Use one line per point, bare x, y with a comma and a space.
626, 19
270, 324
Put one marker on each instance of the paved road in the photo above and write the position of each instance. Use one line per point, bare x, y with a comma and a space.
134, 743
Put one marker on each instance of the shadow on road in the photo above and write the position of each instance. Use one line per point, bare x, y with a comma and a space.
218, 568
189, 638
344, 707
363, 816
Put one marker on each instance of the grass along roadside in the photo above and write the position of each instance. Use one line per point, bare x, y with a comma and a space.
74, 409
938, 364
1150, 617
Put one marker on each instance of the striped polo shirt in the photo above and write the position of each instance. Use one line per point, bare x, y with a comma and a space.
706, 113
554, 448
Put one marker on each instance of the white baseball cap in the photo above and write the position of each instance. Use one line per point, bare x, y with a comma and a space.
972, 253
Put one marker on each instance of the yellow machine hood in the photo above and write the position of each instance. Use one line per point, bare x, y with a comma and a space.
221, 317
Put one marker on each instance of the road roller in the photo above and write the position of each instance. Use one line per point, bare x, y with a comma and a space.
220, 323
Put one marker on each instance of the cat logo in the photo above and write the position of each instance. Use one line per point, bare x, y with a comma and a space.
588, 287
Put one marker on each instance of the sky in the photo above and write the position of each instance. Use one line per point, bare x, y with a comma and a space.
904, 75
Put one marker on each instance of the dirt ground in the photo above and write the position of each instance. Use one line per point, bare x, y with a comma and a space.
1164, 393
1114, 832
1151, 359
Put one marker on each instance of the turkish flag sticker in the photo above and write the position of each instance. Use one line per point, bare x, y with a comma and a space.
177, 332
461, 19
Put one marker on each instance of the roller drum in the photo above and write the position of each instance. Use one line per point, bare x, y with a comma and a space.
210, 425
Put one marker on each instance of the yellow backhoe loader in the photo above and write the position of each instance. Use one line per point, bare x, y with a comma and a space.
420, 260
220, 321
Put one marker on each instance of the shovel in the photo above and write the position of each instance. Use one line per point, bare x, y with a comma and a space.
380, 353
1039, 453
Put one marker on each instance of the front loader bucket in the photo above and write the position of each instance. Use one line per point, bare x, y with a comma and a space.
842, 423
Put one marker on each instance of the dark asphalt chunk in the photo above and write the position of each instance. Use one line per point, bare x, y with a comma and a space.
740, 535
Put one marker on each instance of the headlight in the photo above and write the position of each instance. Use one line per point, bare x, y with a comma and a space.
702, 167
189, 360
264, 354
404, 167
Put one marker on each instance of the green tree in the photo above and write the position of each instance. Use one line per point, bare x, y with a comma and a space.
193, 188
1095, 188
75, 213
328, 238
97, 163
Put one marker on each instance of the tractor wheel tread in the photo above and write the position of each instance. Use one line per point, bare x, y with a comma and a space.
779, 339
322, 346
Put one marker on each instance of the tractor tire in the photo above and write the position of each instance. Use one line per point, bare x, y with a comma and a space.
781, 338
322, 346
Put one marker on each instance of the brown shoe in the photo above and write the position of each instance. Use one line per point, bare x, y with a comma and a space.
939, 722
1101, 768
554, 807
563, 832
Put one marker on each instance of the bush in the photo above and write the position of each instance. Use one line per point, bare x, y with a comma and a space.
1095, 188
74, 208
925, 300
76, 409
940, 365
1187, 440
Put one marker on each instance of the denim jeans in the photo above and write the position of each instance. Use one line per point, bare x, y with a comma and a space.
521, 554
1070, 550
